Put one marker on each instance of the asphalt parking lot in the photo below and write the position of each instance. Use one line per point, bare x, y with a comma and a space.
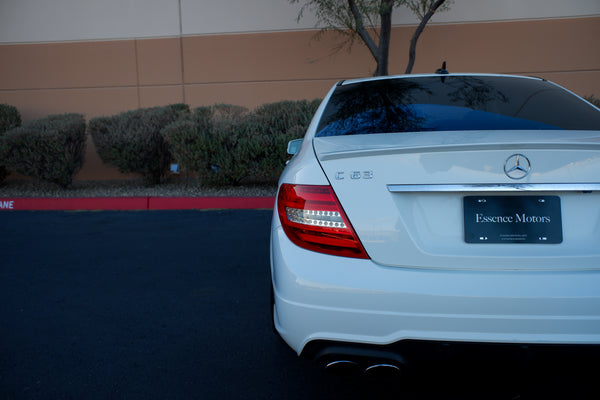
175, 305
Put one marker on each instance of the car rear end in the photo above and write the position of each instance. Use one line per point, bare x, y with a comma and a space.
458, 208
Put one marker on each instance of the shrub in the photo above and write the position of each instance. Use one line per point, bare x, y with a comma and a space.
189, 144
9, 118
238, 150
281, 116
51, 148
219, 112
215, 143
594, 100
281, 122
227, 145
131, 141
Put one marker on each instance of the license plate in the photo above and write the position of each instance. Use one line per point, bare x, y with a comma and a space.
512, 219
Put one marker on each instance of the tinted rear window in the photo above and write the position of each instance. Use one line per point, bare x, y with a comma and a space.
450, 103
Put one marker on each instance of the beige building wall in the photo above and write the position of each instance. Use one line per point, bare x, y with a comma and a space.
103, 72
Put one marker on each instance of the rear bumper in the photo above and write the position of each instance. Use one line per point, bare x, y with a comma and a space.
327, 298
443, 358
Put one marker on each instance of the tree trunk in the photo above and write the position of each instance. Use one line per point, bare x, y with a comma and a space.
420, 28
383, 54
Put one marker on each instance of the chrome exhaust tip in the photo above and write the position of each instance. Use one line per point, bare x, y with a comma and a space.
342, 367
383, 370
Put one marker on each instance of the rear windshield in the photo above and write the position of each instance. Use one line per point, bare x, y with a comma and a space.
451, 103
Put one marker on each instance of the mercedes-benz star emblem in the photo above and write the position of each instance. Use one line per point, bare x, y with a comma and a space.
517, 166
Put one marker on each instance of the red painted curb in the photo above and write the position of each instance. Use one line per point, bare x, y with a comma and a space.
75, 203
190, 203
135, 203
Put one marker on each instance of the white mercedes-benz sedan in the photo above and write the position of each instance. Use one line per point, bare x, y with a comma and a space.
444, 208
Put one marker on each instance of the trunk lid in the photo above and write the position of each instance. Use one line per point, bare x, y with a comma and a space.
405, 195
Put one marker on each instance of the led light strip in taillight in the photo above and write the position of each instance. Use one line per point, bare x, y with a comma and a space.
328, 219
313, 218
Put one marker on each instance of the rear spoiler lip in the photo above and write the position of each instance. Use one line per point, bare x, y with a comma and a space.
339, 147
494, 187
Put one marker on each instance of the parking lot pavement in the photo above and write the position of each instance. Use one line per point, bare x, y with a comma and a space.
170, 305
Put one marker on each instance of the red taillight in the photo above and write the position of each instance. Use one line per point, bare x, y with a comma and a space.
313, 219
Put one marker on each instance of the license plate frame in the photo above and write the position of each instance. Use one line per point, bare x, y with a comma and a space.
512, 219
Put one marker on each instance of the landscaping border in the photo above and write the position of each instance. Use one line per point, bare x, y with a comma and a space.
135, 203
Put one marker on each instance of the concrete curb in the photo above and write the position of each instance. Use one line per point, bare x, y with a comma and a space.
136, 203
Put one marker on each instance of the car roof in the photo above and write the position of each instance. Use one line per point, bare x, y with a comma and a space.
406, 76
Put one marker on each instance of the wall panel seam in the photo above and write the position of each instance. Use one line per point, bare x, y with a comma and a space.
137, 72
257, 81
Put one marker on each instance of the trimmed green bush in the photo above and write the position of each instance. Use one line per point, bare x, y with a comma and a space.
228, 145
281, 122
221, 111
280, 116
131, 141
594, 100
9, 118
237, 150
214, 143
189, 145
51, 148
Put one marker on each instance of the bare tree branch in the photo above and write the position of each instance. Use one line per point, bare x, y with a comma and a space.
420, 28
368, 21
360, 29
